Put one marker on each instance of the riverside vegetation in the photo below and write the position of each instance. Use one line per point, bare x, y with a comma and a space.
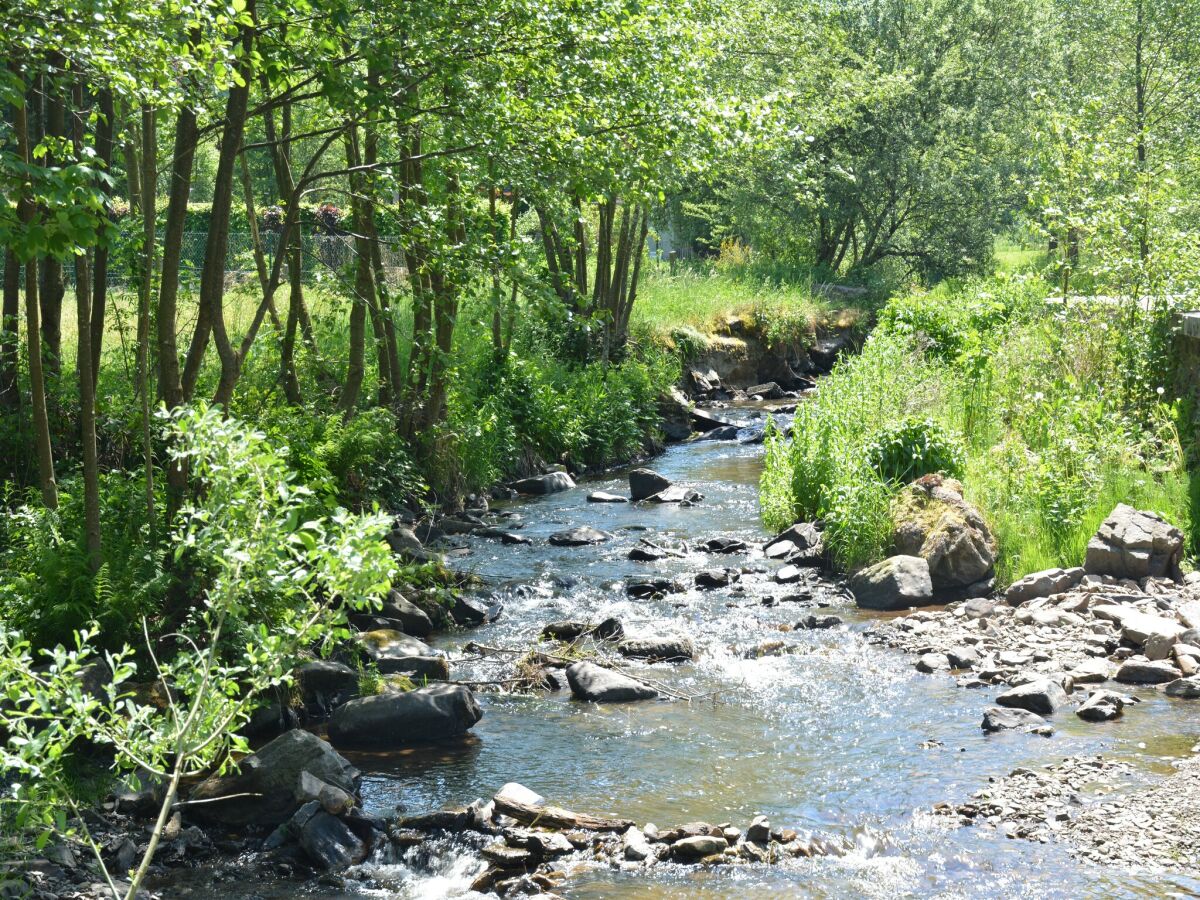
294, 293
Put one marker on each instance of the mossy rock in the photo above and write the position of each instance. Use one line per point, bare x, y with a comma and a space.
931, 519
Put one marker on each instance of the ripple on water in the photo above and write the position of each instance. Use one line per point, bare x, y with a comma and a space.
838, 736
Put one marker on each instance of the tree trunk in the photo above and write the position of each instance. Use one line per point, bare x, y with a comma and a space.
87, 385
27, 213
10, 311
260, 256
149, 181
53, 288
133, 168
186, 136
211, 315
364, 283
104, 153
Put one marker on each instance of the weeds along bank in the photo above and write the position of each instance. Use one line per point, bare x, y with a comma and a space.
1049, 415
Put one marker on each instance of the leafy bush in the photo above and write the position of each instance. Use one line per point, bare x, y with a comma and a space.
1033, 406
904, 452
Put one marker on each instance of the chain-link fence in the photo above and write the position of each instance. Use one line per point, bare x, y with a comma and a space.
324, 257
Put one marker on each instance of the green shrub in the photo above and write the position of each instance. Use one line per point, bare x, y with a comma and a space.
903, 453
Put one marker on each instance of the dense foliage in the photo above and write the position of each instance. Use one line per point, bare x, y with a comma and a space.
1050, 415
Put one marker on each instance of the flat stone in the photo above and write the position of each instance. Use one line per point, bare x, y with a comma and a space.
665, 649
596, 684
933, 662
1042, 584
399, 719
1147, 672
579, 537
1092, 671
394, 652
996, 718
605, 497
676, 493
1183, 688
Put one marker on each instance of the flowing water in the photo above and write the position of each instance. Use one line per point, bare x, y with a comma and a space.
840, 737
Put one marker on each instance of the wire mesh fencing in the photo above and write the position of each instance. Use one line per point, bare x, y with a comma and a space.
324, 257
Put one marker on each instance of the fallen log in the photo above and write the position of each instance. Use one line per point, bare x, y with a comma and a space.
554, 817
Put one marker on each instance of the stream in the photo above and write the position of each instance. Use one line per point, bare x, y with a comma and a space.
841, 737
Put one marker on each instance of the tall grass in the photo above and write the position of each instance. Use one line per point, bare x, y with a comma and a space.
1057, 410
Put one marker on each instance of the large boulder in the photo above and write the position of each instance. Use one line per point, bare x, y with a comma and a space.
413, 619
930, 519
269, 786
596, 684
1144, 671
645, 483
400, 719
550, 483
326, 838
325, 684
675, 415
394, 652
1135, 544
896, 583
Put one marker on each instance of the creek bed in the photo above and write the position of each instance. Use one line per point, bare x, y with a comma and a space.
841, 737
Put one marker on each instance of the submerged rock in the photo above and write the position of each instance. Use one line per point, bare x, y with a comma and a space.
676, 493
665, 649
579, 537
997, 718
896, 583
606, 497
647, 588
393, 720
596, 684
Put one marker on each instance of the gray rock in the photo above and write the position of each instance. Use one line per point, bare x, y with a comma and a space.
647, 588
606, 497
979, 608
1183, 688
403, 539
1135, 544
1042, 584
709, 579
392, 720
721, 433
724, 545
933, 662
675, 415
1138, 627
326, 839
963, 657
896, 583
645, 483
933, 521
550, 483
272, 779
802, 544
396, 653
634, 846
596, 684
579, 537
997, 718
1092, 671
759, 831
817, 623
1042, 696
666, 649
676, 493
326, 684
1102, 706
1141, 671
472, 611
647, 554
698, 847
768, 391
413, 619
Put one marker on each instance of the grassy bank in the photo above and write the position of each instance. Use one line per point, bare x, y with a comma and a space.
1050, 416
